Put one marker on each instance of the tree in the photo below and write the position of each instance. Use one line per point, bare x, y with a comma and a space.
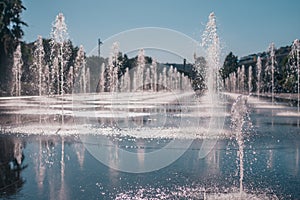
230, 65
10, 34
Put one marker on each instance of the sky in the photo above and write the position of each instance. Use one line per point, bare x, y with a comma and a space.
244, 27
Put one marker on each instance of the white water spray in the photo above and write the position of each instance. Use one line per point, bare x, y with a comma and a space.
259, 68
17, 71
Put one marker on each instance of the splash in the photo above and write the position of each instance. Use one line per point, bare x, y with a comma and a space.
17, 72
212, 47
239, 123
60, 54
259, 69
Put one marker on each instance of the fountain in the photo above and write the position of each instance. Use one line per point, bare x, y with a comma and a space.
140, 70
213, 95
250, 87
116, 67
272, 66
83, 80
239, 110
242, 75
39, 68
112, 69
17, 72
170, 77
147, 82
233, 81
100, 86
88, 80
153, 72
296, 53
70, 79
60, 53
259, 70
239, 119
78, 77
125, 81
161, 111
238, 79
176, 79
211, 44
164, 78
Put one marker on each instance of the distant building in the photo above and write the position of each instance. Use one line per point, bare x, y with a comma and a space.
251, 59
185, 68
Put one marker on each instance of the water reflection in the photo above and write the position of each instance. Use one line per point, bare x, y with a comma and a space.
60, 168
11, 165
40, 166
270, 159
297, 160
80, 152
63, 187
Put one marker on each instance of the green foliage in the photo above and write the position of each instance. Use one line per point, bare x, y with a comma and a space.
230, 65
10, 34
11, 23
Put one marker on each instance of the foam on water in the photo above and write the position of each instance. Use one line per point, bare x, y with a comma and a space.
257, 103
288, 114
155, 108
36, 111
142, 133
184, 192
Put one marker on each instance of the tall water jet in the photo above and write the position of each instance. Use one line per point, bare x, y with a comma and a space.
179, 77
79, 69
153, 68
147, 82
226, 84
125, 86
101, 78
160, 82
140, 69
242, 75
259, 68
164, 79
115, 80
88, 80
39, 68
296, 53
134, 82
60, 48
17, 71
212, 47
112, 69
101, 82
233, 81
170, 77
175, 78
116, 66
239, 119
54, 75
250, 87
211, 44
238, 79
82, 80
272, 59
70, 79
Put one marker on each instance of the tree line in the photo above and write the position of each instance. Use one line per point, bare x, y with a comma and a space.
285, 72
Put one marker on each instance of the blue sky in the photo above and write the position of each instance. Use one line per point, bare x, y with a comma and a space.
245, 27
